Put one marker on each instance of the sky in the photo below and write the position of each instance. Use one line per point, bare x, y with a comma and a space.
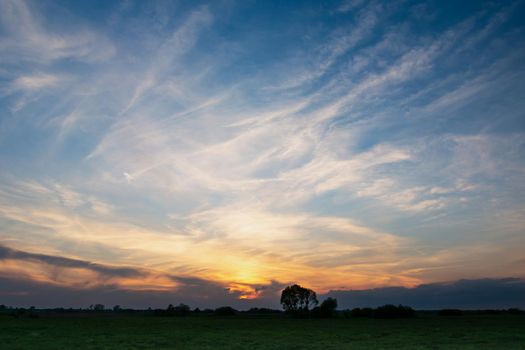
215, 152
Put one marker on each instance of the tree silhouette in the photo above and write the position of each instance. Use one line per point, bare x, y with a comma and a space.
180, 310
296, 298
98, 307
225, 311
328, 307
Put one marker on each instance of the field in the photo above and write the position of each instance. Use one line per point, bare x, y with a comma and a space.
270, 332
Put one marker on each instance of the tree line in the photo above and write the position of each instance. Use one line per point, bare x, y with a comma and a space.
295, 300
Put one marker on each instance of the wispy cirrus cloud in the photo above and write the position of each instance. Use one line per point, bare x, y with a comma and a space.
26, 37
34, 82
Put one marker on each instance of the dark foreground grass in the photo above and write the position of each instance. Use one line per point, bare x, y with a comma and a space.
209, 332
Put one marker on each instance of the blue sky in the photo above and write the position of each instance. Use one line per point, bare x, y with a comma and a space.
339, 144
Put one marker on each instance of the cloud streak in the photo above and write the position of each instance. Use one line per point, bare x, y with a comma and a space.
28, 38
67, 275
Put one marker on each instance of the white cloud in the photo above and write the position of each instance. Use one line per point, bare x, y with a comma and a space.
179, 43
34, 82
29, 39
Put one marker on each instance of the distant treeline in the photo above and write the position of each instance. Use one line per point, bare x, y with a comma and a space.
182, 310
297, 302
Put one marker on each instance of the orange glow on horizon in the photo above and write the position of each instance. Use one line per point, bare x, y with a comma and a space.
246, 292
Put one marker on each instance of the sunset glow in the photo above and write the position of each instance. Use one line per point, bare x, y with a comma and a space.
222, 150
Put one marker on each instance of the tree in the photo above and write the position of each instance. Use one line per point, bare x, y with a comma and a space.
296, 298
180, 310
225, 311
98, 307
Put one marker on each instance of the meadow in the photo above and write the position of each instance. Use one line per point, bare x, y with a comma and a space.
426, 331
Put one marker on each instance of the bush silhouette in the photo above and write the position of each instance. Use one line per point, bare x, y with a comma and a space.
97, 307
180, 310
392, 311
225, 311
385, 311
327, 308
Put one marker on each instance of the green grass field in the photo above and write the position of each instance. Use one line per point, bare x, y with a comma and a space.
239, 332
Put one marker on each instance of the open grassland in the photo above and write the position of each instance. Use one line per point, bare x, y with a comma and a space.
240, 332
